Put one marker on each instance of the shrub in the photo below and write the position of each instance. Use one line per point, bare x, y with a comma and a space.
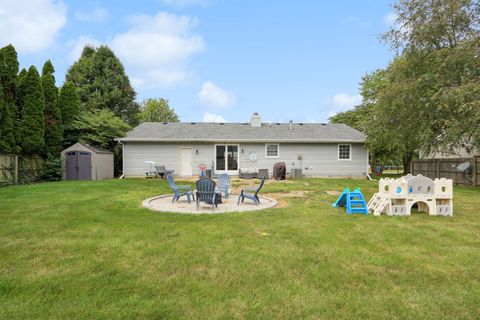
52, 170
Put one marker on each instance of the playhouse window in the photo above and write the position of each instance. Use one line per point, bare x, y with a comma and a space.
344, 152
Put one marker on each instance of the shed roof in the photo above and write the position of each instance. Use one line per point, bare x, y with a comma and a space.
89, 147
244, 132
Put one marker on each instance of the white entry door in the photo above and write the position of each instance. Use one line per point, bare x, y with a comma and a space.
186, 168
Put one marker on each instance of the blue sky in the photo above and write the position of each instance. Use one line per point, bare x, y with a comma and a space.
216, 59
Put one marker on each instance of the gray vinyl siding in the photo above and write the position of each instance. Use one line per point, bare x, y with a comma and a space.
320, 159
166, 154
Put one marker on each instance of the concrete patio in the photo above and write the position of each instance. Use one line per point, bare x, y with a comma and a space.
164, 203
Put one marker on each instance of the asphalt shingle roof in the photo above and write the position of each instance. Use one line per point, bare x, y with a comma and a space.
95, 149
244, 132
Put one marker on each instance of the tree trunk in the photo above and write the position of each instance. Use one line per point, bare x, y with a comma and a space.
407, 162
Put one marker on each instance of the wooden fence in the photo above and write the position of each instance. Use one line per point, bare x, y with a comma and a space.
18, 169
446, 168
8, 169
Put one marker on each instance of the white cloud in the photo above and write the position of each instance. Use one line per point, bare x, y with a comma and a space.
97, 15
210, 117
185, 3
390, 18
80, 43
156, 49
31, 25
213, 96
339, 103
364, 24
344, 101
331, 114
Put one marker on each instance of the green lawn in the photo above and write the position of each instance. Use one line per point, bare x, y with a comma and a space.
88, 250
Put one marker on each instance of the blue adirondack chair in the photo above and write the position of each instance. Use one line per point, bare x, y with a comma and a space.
161, 171
206, 192
224, 184
251, 193
180, 190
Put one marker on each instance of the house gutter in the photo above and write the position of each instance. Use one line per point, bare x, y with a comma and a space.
238, 140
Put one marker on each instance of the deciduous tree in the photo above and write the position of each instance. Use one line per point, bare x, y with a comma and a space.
157, 110
100, 127
433, 24
365, 118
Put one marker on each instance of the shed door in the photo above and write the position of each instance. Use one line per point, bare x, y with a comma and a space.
71, 166
78, 165
84, 166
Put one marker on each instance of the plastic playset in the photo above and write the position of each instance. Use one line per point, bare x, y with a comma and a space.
353, 201
396, 197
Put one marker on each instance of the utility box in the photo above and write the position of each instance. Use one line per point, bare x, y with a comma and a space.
296, 173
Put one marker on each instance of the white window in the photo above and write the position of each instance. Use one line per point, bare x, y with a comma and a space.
344, 152
272, 151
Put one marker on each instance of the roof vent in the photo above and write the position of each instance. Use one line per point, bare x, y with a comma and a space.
323, 124
255, 120
290, 125
192, 122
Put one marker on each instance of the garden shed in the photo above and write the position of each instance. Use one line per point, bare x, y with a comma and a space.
84, 162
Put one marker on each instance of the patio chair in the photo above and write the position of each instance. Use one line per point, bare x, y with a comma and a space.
251, 193
151, 172
180, 190
224, 184
162, 171
206, 192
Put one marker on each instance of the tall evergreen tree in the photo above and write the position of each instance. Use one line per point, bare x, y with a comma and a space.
101, 82
69, 105
8, 78
31, 123
19, 93
4, 147
53, 117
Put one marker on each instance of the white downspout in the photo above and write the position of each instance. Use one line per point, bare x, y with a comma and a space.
123, 159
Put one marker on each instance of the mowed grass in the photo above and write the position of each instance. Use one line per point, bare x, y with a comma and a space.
88, 250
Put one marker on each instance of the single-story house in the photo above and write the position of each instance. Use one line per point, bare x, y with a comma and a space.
319, 149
